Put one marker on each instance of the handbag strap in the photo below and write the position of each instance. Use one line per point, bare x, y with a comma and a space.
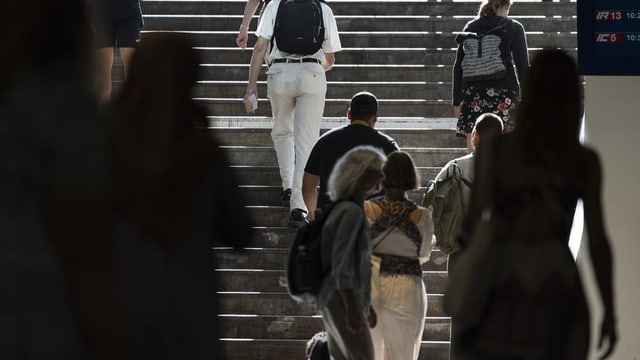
381, 239
373, 214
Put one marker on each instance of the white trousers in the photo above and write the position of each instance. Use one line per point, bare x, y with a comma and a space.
400, 302
297, 92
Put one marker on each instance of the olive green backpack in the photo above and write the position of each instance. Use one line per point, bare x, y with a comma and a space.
445, 195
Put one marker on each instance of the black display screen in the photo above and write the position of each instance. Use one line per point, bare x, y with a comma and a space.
609, 37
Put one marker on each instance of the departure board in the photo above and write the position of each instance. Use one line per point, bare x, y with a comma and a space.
609, 37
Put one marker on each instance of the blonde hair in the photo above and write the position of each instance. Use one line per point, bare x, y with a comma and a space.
491, 7
353, 170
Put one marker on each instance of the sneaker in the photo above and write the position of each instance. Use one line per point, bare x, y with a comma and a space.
285, 196
297, 218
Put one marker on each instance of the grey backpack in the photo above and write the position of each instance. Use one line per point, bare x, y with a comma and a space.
482, 57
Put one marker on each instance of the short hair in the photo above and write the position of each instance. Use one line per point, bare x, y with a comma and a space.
400, 172
363, 105
353, 170
488, 123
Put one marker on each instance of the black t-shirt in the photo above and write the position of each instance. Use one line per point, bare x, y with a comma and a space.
337, 142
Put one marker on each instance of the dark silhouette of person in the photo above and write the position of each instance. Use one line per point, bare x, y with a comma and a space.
55, 274
174, 196
532, 179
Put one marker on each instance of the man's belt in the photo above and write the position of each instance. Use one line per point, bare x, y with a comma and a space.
289, 60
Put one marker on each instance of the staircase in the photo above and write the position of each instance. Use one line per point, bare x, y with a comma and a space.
400, 50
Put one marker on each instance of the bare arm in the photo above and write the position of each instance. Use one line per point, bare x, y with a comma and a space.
456, 91
520, 53
256, 64
329, 60
243, 33
600, 249
310, 184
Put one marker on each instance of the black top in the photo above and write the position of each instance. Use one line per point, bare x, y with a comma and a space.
337, 142
513, 48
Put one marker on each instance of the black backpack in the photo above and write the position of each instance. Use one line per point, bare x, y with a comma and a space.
304, 271
299, 28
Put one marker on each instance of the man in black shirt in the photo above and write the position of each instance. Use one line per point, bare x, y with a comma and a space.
363, 114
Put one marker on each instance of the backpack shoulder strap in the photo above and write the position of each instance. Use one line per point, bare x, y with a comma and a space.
275, 24
456, 168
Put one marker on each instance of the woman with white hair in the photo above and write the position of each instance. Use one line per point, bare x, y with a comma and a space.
344, 298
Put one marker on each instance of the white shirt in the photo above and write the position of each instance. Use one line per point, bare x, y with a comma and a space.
331, 42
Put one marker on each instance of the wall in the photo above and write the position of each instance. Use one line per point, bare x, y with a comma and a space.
613, 129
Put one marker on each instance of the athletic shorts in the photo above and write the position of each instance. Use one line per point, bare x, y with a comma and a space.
120, 34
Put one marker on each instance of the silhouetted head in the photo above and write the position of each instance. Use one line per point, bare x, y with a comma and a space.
400, 172
163, 70
164, 64
357, 171
492, 7
364, 106
158, 156
551, 108
486, 124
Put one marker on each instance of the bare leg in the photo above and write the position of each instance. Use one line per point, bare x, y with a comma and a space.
104, 63
126, 53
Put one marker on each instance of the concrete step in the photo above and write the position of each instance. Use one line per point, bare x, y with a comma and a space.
415, 39
268, 280
353, 23
335, 107
384, 122
262, 184
385, 56
277, 349
404, 137
357, 55
417, 90
355, 8
340, 72
261, 195
277, 303
266, 156
269, 216
337, 90
273, 258
304, 327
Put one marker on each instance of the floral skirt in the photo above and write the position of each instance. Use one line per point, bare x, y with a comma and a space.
479, 100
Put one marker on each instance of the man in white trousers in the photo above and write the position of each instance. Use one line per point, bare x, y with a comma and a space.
296, 88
